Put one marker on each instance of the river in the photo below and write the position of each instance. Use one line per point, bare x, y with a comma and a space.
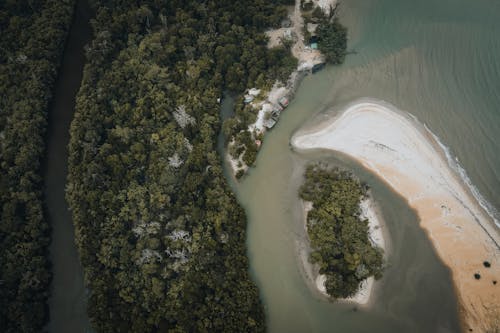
415, 294
67, 304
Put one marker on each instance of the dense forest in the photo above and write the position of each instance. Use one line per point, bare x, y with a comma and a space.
338, 235
160, 235
32, 36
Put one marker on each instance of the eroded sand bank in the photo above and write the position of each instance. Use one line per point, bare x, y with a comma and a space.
410, 159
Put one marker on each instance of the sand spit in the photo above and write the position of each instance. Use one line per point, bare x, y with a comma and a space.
412, 161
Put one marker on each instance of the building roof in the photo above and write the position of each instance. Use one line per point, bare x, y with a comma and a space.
248, 98
283, 101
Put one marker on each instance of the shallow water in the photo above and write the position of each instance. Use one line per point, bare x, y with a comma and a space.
269, 195
440, 61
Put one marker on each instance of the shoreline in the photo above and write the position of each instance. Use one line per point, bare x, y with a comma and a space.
267, 101
364, 296
413, 162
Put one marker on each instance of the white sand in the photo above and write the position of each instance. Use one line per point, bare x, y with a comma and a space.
235, 163
258, 126
326, 4
276, 93
368, 211
412, 161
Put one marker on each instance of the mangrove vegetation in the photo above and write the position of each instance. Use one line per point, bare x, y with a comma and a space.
160, 234
339, 237
32, 38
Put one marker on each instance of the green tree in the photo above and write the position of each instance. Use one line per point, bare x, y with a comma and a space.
338, 236
332, 40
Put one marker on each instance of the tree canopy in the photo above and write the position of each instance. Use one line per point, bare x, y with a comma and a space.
160, 234
338, 235
31, 45
332, 40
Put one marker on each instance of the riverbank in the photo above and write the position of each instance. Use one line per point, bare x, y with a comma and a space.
68, 301
412, 161
267, 104
364, 295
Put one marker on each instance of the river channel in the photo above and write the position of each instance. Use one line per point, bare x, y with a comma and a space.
67, 303
415, 294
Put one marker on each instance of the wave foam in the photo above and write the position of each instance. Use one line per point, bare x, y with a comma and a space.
454, 164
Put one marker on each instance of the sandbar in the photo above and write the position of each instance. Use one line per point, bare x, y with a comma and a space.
413, 162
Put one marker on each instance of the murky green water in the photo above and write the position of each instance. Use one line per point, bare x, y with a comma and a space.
67, 303
438, 60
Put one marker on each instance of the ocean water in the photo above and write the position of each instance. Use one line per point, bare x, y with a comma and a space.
440, 62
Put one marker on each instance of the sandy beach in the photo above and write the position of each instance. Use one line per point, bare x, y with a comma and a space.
413, 162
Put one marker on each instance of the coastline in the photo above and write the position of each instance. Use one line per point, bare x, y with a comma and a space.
267, 101
364, 296
412, 161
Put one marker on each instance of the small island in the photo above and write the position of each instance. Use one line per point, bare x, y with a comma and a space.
339, 233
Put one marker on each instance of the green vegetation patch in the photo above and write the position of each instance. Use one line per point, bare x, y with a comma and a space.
338, 235
332, 40
160, 234
32, 36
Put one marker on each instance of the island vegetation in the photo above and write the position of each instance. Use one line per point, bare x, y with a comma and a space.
32, 37
339, 237
160, 234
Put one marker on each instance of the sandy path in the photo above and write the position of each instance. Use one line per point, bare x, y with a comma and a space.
407, 156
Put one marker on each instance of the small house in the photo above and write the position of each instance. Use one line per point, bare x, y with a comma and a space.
248, 99
313, 42
254, 92
275, 115
283, 101
270, 123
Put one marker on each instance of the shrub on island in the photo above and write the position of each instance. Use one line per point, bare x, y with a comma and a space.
338, 235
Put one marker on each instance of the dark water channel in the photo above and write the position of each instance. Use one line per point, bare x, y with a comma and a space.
67, 303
